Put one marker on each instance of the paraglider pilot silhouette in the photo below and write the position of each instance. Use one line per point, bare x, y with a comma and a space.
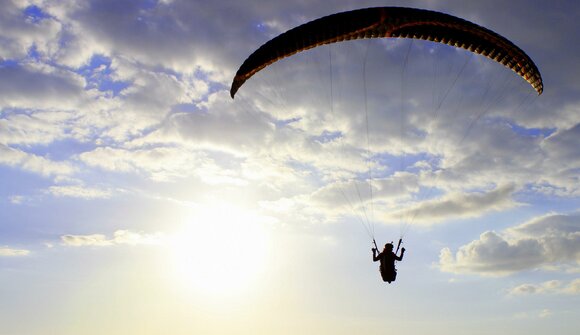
387, 258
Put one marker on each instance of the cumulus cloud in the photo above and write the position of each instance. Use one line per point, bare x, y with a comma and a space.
492, 255
549, 242
118, 238
10, 252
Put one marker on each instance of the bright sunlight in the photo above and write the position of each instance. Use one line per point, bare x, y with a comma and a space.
221, 251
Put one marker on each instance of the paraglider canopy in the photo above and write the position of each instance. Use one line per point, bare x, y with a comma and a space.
391, 22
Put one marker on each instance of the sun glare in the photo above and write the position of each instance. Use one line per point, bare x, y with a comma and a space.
221, 251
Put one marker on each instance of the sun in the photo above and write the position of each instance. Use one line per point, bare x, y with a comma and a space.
221, 251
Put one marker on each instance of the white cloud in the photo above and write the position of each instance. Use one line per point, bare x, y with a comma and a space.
551, 241
132, 238
492, 255
33, 163
164, 164
33, 128
86, 240
119, 237
16, 199
549, 287
10, 252
76, 191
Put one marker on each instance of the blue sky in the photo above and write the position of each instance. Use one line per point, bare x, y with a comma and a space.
137, 197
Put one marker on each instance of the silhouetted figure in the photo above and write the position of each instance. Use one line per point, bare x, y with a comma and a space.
388, 258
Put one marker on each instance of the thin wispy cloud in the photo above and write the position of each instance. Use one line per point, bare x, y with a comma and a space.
11, 252
119, 237
549, 287
76, 191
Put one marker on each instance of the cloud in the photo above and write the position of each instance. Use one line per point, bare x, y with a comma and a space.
563, 160
16, 199
492, 255
573, 287
166, 164
132, 238
549, 287
458, 205
38, 86
172, 35
119, 237
34, 163
344, 193
86, 240
33, 128
9, 252
549, 242
76, 191
215, 125
338, 198
19, 33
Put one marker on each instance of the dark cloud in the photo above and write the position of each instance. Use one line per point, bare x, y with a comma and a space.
562, 147
458, 205
39, 88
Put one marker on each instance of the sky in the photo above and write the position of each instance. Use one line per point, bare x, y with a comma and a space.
138, 197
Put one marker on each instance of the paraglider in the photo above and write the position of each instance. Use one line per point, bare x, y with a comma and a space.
390, 22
